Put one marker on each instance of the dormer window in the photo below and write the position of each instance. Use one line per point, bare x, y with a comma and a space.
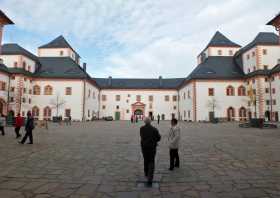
220, 52
61, 53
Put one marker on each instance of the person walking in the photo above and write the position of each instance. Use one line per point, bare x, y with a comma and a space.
29, 126
149, 139
18, 124
174, 140
158, 118
2, 124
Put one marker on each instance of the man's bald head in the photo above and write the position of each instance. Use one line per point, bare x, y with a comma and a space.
147, 120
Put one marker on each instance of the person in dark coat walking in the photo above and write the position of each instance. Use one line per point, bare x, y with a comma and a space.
2, 124
18, 124
149, 139
158, 118
29, 126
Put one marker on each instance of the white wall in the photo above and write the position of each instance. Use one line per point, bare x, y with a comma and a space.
186, 102
159, 105
91, 101
223, 101
271, 59
4, 94
9, 61
73, 102
55, 52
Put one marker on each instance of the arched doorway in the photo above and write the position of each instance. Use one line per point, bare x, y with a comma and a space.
242, 114
230, 114
139, 114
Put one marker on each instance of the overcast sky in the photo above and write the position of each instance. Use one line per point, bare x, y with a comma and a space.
136, 38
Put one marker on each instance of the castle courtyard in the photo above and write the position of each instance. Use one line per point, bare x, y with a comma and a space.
103, 159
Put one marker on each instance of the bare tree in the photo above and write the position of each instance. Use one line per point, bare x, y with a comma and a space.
212, 103
57, 103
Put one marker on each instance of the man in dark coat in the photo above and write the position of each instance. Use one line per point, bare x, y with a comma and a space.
29, 126
149, 139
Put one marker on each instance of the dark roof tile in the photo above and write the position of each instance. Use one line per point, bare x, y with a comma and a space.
148, 83
60, 67
15, 49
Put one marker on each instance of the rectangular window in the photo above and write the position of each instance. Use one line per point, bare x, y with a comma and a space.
166, 98
220, 52
248, 56
11, 99
210, 91
273, 90
12, 89
274, 102
23, 100
103, 107
267, 102
264, 51
118, 98
174, 107
174, 98
253, 54
15, 64
3, 86
184, 95
68, 91
150, 106
67, 112
265, 67
151, 98
230, 52
138, 98
266, 90
103, 97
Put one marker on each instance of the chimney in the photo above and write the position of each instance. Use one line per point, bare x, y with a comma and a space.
85, 66
110, 81
160, 81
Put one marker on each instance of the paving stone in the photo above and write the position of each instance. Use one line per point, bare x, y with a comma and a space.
103, 159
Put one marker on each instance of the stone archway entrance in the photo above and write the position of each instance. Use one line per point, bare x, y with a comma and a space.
138, 109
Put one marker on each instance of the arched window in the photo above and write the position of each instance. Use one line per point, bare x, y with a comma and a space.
48, 90
36, 90
241, 91
47, 112
35, 111
230, 91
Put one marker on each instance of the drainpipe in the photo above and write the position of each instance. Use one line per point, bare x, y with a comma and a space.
84, 99
178, 104
270, 97
8, 96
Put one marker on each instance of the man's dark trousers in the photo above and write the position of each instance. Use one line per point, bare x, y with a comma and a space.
174, 158
17, 129
28, 134
149, 162
2, 130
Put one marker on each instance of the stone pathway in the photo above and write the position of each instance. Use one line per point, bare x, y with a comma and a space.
103, 159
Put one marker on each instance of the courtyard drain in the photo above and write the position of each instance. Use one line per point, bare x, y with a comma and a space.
143, 184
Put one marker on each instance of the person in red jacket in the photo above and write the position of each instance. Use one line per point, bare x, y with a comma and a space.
19, 123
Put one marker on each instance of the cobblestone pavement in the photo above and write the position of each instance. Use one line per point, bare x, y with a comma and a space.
103, 159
